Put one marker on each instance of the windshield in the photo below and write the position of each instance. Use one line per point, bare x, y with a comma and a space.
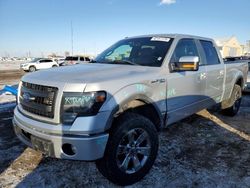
146, 51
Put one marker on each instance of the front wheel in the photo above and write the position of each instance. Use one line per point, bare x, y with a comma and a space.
32, 69
131, 150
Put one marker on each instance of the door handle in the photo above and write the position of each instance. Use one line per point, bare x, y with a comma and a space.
202, 76
221, 75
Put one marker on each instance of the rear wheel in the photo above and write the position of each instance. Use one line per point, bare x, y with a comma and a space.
54, 66
131, 150
32, 69
236, 98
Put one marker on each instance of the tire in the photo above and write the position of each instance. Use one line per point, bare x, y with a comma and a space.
236, 97
138, 154
32, 69
54, 66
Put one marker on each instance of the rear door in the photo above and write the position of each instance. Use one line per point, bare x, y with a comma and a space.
42, 64
186, 89
214, 71
46, 63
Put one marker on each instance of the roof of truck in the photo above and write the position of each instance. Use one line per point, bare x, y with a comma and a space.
172, 36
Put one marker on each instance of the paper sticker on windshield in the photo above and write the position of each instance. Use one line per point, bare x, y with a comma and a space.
163, 39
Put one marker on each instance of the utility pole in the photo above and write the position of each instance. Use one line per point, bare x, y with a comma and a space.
71, 38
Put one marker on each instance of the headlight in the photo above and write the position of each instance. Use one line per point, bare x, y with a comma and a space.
81, 104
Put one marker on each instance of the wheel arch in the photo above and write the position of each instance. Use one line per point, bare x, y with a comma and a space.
140, 104
240, 81
33, 66
228, 102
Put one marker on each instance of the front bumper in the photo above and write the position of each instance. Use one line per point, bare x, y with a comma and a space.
25, 68
64, 146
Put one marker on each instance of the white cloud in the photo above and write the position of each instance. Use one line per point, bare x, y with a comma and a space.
167, 2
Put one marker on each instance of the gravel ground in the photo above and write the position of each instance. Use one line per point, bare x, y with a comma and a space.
205, 150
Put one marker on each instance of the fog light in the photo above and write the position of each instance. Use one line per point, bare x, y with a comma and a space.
68, 149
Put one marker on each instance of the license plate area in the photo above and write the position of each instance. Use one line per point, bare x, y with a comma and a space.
42, 145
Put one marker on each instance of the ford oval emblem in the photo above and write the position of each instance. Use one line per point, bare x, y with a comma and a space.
26, 97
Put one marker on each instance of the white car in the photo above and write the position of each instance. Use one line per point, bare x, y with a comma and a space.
37, 64
59, 60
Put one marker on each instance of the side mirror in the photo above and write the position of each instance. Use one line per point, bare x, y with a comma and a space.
186, 63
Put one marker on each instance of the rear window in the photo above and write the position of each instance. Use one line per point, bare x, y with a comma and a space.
45, 61
210, 52
70, 58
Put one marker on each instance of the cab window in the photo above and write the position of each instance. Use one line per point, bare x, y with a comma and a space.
185, 47
210, 52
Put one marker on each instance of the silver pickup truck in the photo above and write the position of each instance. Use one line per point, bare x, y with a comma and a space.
229, 60
110, 111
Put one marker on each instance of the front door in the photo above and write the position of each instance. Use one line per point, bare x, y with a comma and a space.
185, 90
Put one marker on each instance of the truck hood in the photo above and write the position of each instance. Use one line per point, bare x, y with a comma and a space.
85, 73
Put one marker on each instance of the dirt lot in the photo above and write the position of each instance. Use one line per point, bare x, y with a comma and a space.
10, 75
205, 150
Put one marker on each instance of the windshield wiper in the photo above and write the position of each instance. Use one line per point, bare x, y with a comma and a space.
124, 62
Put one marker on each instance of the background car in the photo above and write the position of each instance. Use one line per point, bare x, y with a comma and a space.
72, 60
59, 60
37, 64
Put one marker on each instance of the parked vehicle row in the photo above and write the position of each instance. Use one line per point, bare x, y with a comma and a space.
110, 110
45, 63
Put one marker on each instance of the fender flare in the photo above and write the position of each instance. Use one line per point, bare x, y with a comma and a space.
119, 108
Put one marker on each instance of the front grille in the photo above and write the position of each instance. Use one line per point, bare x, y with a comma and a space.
38, 99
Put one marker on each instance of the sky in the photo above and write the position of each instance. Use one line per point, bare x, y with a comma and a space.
44, 27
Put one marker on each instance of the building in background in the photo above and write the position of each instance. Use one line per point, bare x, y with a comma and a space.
247, 48
230, 47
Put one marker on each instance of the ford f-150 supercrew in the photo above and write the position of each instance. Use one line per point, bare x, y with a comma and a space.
110, 110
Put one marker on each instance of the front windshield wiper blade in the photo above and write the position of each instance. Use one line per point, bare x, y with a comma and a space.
124, 62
